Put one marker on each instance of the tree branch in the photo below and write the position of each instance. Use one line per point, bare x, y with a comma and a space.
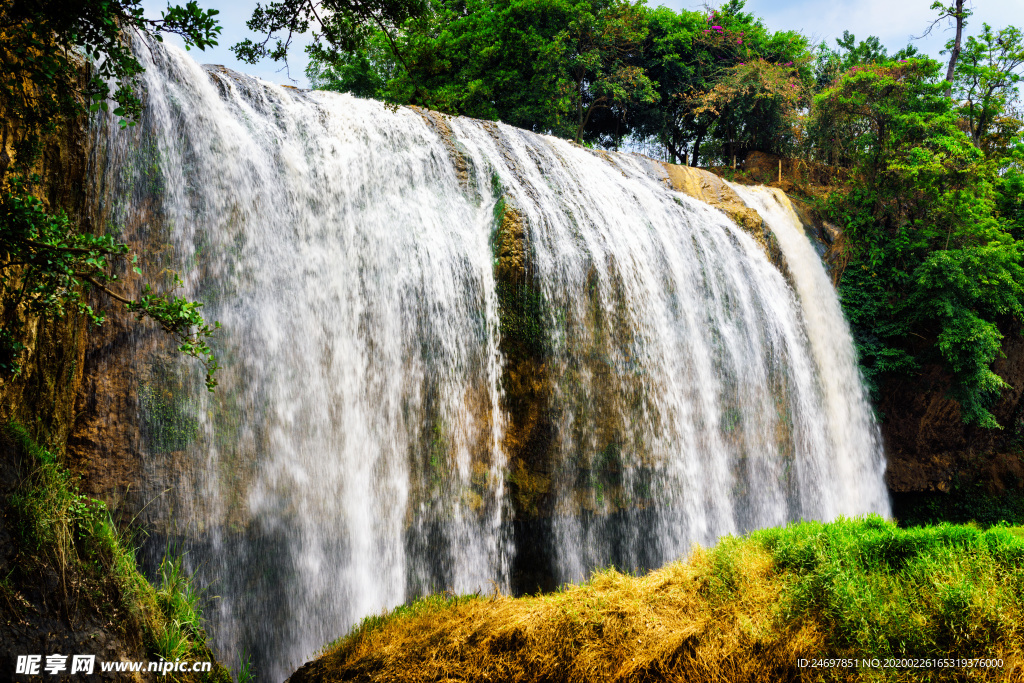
98, 285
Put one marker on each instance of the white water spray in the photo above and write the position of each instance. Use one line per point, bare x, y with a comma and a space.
352, 455
851, 432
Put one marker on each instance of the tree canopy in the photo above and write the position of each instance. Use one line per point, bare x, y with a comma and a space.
931, 257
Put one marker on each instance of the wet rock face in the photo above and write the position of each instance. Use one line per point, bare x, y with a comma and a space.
526, 382
107, 442
45, 609
41, 396
462, 162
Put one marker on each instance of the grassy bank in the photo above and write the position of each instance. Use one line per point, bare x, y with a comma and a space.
746, 610
70, 572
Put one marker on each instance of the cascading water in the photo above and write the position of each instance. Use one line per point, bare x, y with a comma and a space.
850, 430
358, 448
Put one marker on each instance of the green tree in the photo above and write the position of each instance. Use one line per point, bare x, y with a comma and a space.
1010, 200
832, 63
987, 76
486, 59
364, 73
712, 100
933, 265
47, 263
338, 26
672, 39
569, 67
600, 51
755, 105
958, 14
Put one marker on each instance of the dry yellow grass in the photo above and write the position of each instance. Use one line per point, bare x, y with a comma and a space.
737, 612
675, 624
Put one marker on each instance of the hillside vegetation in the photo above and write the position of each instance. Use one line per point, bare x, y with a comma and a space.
748, 609
69, 579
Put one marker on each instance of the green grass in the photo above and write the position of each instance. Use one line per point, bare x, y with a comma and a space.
885, 591
56, 526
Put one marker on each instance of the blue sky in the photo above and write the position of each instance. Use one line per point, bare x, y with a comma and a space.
894, 21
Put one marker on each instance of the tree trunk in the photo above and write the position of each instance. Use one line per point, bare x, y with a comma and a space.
954, 54
579, 110
673, 150
696, 146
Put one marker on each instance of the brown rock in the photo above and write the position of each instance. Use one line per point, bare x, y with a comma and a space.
711, 189
926, 441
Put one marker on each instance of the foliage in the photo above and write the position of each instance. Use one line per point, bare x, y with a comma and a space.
364, 73
596, 71
930, 258
1010, 197
51, 515
747, 609
343, 25
562, 66
986, 79
77, 536
830, 64
47, 263
755, 106
678, 67
716, 76
40, 83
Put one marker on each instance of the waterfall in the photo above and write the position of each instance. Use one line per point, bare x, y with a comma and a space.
849, 430
365, 444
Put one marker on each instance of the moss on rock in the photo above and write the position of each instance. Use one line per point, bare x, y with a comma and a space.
526, 381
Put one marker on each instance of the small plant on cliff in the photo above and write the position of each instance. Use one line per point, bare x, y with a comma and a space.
48, 263
58, 529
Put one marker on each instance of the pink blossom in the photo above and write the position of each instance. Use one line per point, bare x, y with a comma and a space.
716, 28
739, 41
